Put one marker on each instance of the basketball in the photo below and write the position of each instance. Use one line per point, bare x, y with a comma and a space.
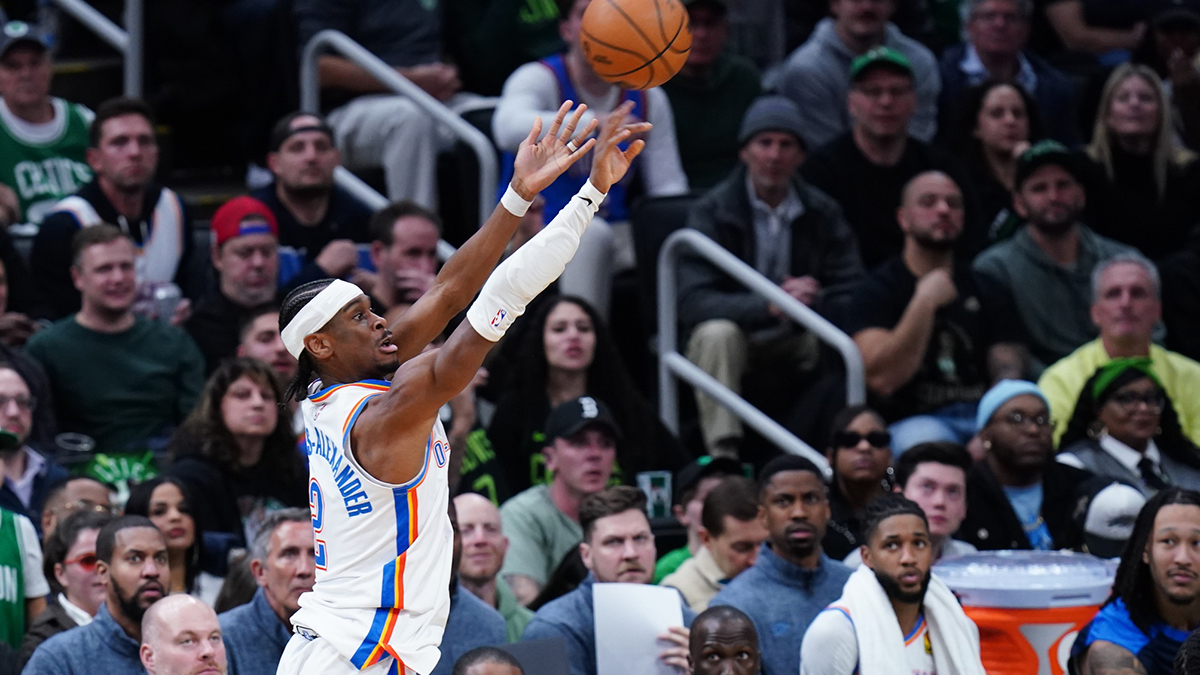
636, 44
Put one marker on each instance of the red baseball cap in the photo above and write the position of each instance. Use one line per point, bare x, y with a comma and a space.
229, 220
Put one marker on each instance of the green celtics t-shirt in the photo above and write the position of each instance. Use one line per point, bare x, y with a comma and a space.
43, 163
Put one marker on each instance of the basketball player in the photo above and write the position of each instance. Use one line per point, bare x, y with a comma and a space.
378, 456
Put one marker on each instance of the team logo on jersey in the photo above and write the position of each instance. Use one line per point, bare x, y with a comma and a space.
439, 453
501, 315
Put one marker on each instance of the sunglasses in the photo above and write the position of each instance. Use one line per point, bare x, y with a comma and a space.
87, 561
850, 439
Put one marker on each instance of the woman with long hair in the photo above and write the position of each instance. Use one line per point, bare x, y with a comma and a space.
1125, 427
1142, 187
860, 453
995, 122
167, 501
238, 452
568, 353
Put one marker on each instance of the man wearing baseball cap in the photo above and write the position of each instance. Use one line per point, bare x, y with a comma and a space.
318, 220
245, 254
866, 168
542, 523
819, 74
1046, 268
43, 139
791, 233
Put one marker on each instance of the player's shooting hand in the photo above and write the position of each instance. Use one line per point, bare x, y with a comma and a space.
677, 653
610, 163
540, 163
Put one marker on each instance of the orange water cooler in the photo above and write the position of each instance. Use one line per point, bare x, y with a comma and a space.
1029, 605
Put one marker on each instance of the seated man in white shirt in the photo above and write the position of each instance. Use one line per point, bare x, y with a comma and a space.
858, 635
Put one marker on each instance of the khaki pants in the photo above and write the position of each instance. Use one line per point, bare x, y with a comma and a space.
723, 350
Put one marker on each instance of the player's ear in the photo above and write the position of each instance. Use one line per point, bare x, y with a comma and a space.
319, 345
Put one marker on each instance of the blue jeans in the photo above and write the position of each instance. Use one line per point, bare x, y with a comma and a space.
954, 423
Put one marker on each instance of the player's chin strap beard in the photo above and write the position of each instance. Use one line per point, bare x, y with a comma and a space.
318, 312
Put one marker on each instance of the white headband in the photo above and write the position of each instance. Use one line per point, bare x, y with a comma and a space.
317, 313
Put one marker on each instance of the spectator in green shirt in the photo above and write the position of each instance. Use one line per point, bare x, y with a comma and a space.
123, 380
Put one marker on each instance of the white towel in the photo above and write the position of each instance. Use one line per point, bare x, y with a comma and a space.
953, 636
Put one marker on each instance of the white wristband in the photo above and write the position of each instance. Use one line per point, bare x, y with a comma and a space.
533, 267
515, 203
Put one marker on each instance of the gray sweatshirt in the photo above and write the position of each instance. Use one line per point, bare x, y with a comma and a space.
817, 77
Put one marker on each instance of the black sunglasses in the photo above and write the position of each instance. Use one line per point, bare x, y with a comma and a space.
850, 439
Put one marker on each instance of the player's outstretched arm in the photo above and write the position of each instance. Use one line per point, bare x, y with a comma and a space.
537, 165
402, 417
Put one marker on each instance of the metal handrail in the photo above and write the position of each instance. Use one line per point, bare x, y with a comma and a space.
127, 40
672, 364
310, 101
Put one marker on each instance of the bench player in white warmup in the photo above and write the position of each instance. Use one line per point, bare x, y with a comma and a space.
378, 456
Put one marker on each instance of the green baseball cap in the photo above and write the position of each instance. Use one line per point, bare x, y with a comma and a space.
1043, 153
880, 56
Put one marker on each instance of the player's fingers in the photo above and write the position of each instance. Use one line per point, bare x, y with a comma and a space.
558, 119
635, 149
577, 141
534, 131
582, 149
639, 127
572, 122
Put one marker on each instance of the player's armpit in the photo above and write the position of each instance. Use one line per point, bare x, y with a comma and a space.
401, 418
1107, 658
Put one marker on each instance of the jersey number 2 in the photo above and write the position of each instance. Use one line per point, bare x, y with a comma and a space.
316, 503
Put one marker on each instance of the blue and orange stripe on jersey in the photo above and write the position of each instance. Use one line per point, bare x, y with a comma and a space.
376, 385
391, 602
916, 631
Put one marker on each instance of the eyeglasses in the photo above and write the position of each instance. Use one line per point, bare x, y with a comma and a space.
87, 561
851, 439
83, 505
23, 402
1128, 400
1019, 419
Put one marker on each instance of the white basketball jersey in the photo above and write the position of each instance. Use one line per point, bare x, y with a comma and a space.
384, 551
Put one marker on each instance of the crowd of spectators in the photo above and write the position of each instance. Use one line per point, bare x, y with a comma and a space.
997, 201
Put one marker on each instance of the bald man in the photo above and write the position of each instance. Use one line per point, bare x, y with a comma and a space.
483, 549
724, 642
181, 636
487, 661
932, 341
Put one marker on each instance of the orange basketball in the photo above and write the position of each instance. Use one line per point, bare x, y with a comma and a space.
637, 44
